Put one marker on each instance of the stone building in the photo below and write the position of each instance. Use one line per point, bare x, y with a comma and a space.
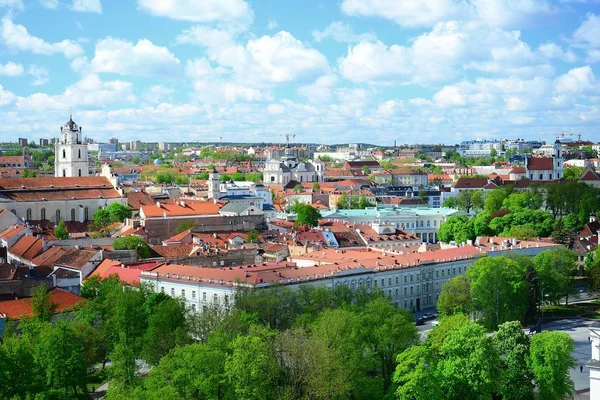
71, 152
290, 168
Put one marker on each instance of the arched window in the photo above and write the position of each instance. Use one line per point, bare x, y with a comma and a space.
64, 153
43, 213
28, 214
79, 155
72, 214
57, 216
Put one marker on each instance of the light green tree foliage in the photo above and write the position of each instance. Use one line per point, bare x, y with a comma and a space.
60, 231
494, 200
498, 290
118, 212
555, 269
455, 296
469, 366
417, 375
388, 331
61, 355
457, 228
132, 243
166, 329
251, 368
41, 304
550, 361
101, 218
513, 346
307, 215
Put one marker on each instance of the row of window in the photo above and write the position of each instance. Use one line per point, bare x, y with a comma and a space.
28, 214
65, 153
204, 296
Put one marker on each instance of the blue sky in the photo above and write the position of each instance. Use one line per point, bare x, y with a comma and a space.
327, 71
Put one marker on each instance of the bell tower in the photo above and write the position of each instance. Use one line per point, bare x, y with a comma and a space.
71, 153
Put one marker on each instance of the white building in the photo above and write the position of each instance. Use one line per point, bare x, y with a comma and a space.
594, 363
71, 153
289, 168
546, 168
479, 148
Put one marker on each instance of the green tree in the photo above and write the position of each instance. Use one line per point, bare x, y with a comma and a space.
60, 231
307, 215
464, 200
298, 188
41, 304
118, 212
550, 360
101, 218
513, 346
555, 269
573, 173
343, 202
498, 290
455, 296
572, 223
388, 331
417, 375
458, 229
316, 186
184, 226
364, 203
132, 243
251, 368
61, 356
469, 364
166, 329
493, 201
560, 234
20, 374
252, 235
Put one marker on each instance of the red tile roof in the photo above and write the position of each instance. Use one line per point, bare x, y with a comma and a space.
49, 189
49, 257
27, 247
21, 308
540, 163
11, 231
75, 258
173, 210
471, 183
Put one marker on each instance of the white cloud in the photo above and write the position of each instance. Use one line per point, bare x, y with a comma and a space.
202, 35
50, 4
199, 11
273, 59
11, 69
158, 94
419, 13
93, 6
410, 13
587, 37
319, 91
343, 33
144, 58
39, 74
6, 97
553, 51
272, 24
15, 37
577, 80
88, 93
440, 54
12, 4
275, 109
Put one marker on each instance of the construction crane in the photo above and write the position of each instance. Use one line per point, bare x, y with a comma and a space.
287, 137
563, 134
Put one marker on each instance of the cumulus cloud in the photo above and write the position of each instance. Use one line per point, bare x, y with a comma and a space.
93, 6
439, 55
143, 58
587, 37
12, 4
49, 4
553, 51
577, 80
11, 69
199, 11
16, 37
341, 32
418, 13
40, 75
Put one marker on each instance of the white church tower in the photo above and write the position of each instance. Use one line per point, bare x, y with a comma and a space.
71, 154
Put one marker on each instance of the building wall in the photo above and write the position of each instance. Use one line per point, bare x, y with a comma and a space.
47, 209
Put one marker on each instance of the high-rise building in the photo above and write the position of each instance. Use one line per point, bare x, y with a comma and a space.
71, 152
113, 140
22, 142
44, 142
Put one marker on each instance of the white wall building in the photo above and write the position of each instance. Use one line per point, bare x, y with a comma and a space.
71, 153
289, 168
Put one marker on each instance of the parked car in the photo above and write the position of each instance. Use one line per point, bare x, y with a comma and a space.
420, 321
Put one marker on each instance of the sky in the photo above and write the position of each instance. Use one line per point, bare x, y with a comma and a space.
328, 71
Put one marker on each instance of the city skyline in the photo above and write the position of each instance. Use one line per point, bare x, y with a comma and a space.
328, 72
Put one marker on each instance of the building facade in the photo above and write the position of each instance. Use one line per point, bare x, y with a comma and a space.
290, 168
71, 152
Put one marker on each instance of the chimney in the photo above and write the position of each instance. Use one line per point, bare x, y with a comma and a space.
158, 204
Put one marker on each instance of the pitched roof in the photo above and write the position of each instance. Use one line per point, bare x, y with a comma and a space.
540, 163
53, 189
11, 231
589, 175
137, 199
75, 258
21, 308
49, 257
27, 247
173, 210
471, 183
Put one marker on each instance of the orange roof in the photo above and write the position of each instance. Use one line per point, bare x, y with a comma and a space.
21, 308
540, 163
27, 247
11, 231
49, 189
49, 257
176, 210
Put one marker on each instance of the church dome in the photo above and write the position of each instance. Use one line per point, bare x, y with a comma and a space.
157, 162
71, 125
